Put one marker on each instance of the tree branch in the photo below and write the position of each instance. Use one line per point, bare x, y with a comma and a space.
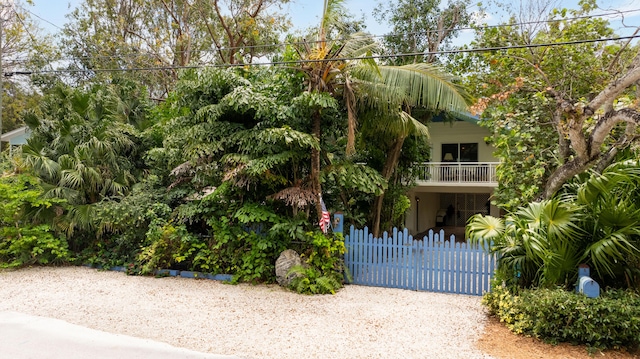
626, 44
616, 87
605, 124
226, 28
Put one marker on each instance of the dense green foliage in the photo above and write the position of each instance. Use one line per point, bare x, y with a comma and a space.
422, 26
541, 142
156, 35
595, 223
25, 47
322, 271
86, 146
23, 242
525, 142
556, 315
213, 180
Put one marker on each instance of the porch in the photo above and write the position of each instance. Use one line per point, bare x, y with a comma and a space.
447, 208
480, 174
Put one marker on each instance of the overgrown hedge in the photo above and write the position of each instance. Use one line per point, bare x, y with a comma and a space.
556, 315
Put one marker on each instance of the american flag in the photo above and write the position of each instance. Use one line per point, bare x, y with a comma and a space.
326, 217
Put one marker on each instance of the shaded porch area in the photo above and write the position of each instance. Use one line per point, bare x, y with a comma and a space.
446, 208
448, 231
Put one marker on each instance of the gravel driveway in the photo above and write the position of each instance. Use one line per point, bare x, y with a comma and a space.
252, 321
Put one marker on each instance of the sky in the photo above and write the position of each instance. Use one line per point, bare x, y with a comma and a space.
305, 13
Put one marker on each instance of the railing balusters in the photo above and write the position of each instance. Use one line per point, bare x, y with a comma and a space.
458, 172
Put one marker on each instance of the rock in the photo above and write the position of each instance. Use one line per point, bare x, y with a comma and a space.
287, 260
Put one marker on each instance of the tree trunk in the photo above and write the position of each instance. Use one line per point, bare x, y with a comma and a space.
588, 148
387, 170
315, 165
563, 174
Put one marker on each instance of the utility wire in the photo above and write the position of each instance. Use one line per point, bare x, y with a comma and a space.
26, 29
484, 27
297, 62
39, 17
295, 43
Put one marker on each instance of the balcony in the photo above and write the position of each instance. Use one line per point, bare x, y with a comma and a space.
478, 174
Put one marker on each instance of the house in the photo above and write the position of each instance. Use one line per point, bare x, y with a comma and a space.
458, 181
16, 138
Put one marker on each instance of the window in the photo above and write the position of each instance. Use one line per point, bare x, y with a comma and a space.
459, 152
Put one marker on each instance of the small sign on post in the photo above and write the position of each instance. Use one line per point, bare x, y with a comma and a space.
338, 223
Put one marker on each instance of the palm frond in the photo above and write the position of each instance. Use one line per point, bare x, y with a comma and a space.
331, 16
560, 220
387, 88
610, 251
485, 229
358, 45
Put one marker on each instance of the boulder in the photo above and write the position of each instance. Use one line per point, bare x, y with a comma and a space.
287, 260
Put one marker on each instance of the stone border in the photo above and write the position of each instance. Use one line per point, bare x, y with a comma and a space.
173, 273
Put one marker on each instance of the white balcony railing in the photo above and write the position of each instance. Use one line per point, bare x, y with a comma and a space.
458, 172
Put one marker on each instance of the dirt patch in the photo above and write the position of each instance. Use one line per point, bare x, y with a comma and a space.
500, 342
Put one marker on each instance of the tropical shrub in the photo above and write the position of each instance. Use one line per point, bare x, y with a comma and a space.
556, 315
33, 245
323, 269
596, 222
610, 205
536, 245
167, 246
23, 242
122, 223
86, 146
247, 241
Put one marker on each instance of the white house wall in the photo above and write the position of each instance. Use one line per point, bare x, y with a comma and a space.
16, 137
428, 205
425, 200
459, 132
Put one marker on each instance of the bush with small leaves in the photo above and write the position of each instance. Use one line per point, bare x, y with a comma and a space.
556, 315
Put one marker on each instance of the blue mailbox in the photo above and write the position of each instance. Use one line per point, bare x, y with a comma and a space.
589, 287
586, 285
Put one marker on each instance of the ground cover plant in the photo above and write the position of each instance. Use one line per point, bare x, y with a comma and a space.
322, 271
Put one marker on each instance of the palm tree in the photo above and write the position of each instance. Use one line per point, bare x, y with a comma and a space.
536, 245
610, 203
596, 224
84, 147
346, 70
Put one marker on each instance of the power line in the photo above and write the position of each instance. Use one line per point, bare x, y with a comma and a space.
26, 29
297, 62
428, 32
294, 43
40, 17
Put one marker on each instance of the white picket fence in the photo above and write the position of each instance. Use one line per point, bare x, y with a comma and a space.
397, 260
